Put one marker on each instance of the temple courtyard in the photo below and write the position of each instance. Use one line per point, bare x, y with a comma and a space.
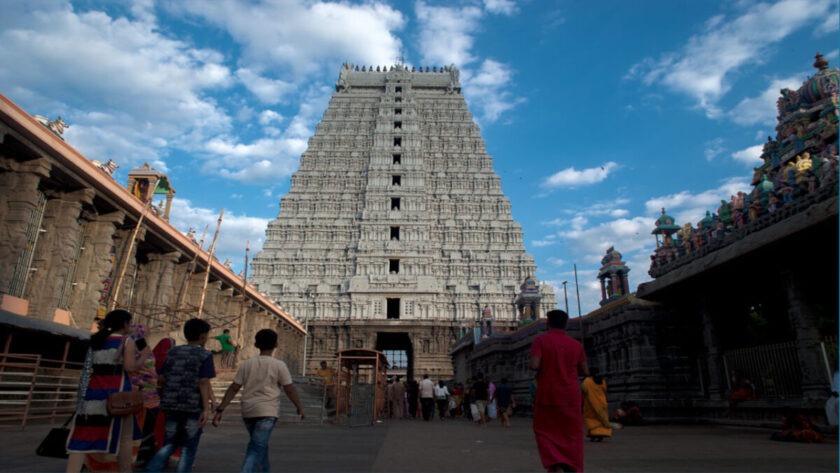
460, 446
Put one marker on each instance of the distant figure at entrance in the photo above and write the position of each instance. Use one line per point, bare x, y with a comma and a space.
413, 389
427, 397
329, 381
398, 398
558, 360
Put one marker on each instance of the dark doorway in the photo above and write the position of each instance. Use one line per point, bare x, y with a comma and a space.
397, 348
393, 308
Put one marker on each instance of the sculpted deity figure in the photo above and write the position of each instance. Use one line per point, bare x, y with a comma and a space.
803, 163
56, 126
108, 167
725, 212
342, 84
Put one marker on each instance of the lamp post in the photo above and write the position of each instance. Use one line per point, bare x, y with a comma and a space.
565, 297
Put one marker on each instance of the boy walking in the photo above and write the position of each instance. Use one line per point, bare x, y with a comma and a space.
261, 378
186, 398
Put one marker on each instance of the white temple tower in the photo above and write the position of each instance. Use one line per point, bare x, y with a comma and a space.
395, 234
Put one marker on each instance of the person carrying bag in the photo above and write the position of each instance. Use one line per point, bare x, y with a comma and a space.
99, 429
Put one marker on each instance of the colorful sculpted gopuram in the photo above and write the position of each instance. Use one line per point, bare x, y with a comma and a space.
799, 168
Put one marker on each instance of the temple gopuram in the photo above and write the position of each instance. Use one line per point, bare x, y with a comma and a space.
395, 234
749, 292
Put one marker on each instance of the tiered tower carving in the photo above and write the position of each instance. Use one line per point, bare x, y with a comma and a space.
395, 223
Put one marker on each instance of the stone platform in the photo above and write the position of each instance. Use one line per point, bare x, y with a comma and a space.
460, 446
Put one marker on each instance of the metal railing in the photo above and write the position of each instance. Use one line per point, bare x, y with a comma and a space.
33, 388
773, 369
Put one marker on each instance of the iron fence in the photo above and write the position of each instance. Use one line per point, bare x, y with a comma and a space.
33, 388
773, 369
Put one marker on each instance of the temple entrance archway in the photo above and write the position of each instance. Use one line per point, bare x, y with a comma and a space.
397, 348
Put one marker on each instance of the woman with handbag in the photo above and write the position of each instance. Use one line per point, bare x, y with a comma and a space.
96, 429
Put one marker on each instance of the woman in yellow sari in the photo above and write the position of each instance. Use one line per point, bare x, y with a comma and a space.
596, 415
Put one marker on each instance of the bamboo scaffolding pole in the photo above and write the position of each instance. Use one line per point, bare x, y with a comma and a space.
185, 284
242, 304
113, 303
209, 263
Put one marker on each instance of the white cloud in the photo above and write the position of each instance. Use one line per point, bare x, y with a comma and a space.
263, 161
702, 68
447, 37
501, 7
269, 91
713, 149
485, 90
750, 156
295, 39
117, 80
235, 231
571, 177
629, 236
556, 261
446, 33
266, 160
761, 110
267, 117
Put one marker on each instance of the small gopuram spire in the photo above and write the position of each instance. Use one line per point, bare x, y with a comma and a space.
528, 301
613, 276
146, 183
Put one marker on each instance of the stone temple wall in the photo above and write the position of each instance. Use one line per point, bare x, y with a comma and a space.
71, 249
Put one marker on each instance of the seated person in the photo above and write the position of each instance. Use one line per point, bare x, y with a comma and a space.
742, 389
797, 427
628, 414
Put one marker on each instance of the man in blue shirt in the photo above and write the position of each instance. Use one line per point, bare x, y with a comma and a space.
186, 398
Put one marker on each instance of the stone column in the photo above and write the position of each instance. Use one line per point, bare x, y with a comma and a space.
95, 268
155, 289
20, 182
803, 323
714, 361
55, 252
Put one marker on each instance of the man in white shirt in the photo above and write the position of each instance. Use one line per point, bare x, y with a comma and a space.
427, 397
261, 377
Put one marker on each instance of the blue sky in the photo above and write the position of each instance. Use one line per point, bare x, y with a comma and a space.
596, 114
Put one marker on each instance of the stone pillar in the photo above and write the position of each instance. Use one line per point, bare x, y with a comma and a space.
156, 290
20, 182
95, 268
803, 323
56, 251
714, 360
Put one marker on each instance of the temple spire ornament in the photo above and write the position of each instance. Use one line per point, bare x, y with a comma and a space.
613, 276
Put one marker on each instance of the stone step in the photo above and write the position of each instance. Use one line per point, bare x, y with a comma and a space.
310, 391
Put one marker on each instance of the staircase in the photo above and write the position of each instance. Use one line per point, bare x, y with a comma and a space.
310, 391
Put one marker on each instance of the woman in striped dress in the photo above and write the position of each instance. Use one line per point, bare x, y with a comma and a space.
113, 355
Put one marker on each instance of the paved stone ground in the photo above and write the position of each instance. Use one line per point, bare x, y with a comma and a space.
460, 446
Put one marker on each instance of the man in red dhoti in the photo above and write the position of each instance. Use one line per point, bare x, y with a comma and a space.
558, 360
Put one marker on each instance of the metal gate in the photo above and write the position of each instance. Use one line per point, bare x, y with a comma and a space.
362, 404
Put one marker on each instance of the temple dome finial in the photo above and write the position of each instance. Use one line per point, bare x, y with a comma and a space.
820, 62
